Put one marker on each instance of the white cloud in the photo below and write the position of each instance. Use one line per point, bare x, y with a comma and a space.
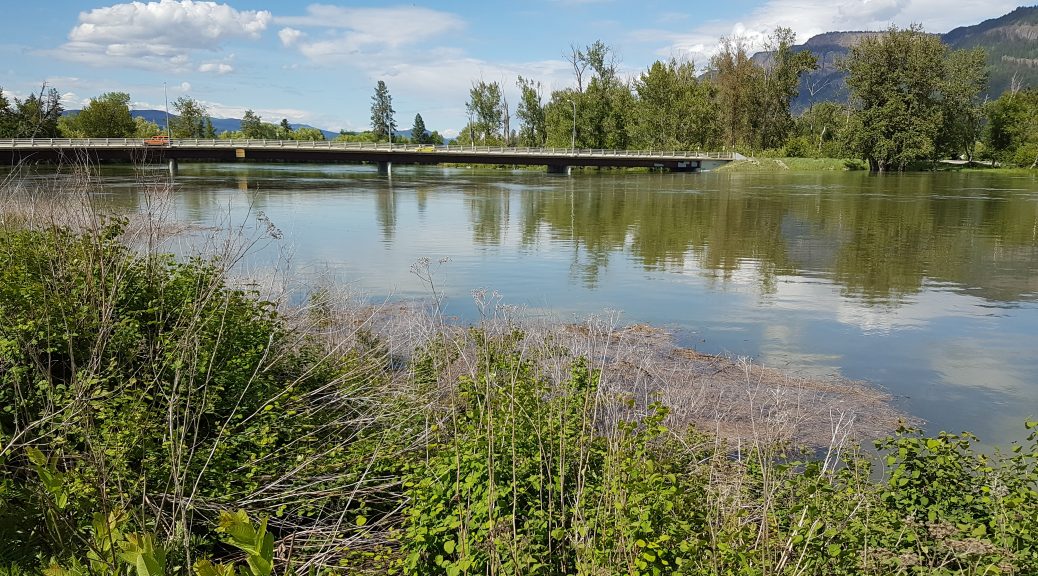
398, 45
810, 17
290, 36
216, 68
72, 100
158, 35
357, 30
185, 87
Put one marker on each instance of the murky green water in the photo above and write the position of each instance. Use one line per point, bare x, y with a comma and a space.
924, 284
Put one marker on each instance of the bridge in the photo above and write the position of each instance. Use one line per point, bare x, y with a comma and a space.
557, 160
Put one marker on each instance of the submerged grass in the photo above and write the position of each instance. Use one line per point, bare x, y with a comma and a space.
794, 165
144, 398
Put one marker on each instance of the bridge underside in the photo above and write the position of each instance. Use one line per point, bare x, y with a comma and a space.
138, 154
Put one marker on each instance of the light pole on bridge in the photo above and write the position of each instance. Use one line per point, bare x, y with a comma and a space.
573, 138
165, 96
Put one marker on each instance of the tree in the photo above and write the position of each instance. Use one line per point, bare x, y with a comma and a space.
8, 121
418, 135
38, 116
531, 113
143, 128
736, 79
895, 80
383, 123
69, 128
345, 136
486, 108
674, 108
284, 131
251, 125
578, 61
602, 60
824, 128
965, 78
603, 106
1012, 131
107, 116
192, 120
780, 83
434, 137
306, 133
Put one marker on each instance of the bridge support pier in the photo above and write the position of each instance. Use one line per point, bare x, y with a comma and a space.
385, 168
559, 169
173, 166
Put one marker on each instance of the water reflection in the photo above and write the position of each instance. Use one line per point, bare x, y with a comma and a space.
879, 239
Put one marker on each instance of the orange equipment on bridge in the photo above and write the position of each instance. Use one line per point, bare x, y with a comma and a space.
162, 140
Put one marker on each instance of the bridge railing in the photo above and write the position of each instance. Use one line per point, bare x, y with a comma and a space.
332, 145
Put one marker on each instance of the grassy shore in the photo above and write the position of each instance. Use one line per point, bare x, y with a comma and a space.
777, 164
157, 418
794, 165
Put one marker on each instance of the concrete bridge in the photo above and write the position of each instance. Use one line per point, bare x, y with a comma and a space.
557, 160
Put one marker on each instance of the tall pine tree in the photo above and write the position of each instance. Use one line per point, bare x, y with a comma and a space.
382, 122
418, 130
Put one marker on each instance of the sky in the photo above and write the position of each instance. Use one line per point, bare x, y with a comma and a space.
318, 63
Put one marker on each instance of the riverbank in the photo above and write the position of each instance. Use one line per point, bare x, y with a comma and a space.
778, 164
794, 165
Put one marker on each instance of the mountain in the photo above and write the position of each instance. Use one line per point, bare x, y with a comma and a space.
1011, 42
220, 124
1012, 45
826, 83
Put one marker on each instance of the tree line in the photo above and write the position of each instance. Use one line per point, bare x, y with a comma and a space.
913, 101
108, 116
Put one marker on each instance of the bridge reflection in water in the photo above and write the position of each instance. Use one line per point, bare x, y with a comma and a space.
557, 160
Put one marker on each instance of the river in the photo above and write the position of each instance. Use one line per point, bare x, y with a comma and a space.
923, 284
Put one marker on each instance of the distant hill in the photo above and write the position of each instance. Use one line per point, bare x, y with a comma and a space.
219, 124
1012, 45
1011, 42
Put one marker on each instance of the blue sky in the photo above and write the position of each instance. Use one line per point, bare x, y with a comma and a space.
317, 63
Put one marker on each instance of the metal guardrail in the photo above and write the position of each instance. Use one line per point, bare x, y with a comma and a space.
331, 145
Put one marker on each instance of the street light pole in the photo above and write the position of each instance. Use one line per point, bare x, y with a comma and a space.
573, 138
165, 97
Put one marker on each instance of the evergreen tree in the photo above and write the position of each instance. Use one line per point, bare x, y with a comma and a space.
8, 122
418, 134
38, 116
383, 123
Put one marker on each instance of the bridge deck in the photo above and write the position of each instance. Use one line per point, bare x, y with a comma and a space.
45, 149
